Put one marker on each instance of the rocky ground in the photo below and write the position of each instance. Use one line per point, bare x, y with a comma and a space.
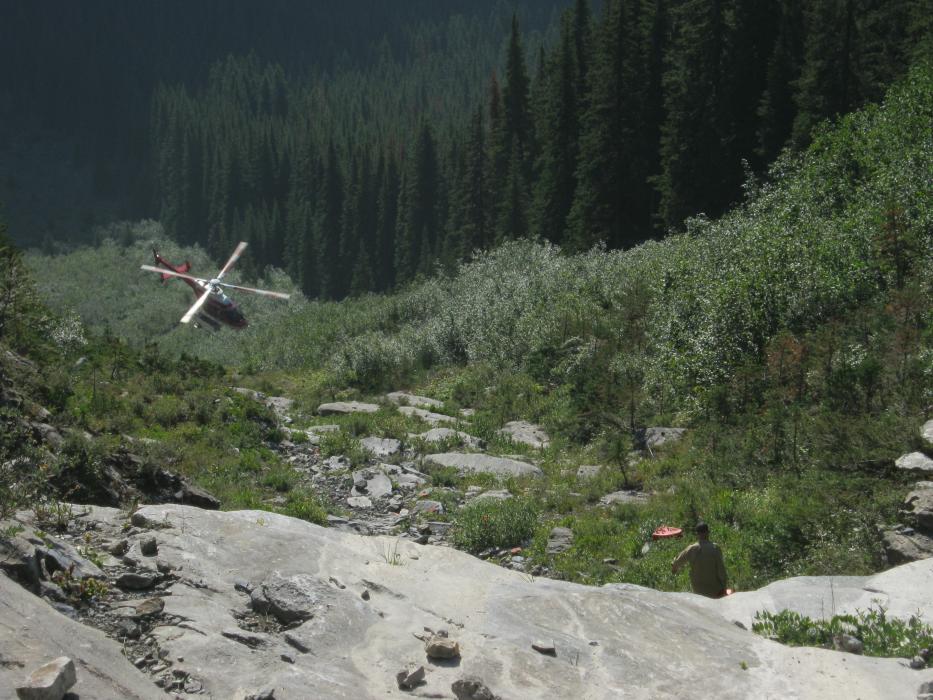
199, 603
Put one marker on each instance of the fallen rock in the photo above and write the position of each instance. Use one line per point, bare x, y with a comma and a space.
290, 599
191, 495
381, 447
137, 581
149, 547
546, 648
560, 540
485, 464
408, 679
918, 663
472, 688
444, 434
138, 609
403, 398
526, 433
428, 506
426, 416
49, 682
264, 694
493, 495
658, 437
61, 556
916, 462
438, 647
346, 407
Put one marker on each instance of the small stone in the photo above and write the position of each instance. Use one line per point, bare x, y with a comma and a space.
243, 586
611, 561
136, 581
472, 688
150, 606
365, 595
442, 648
917, 663
164, 567
128, 629
118, 549
287, 658
149, 547
264, 694
546, 648
848, 643
409, 680
49, 682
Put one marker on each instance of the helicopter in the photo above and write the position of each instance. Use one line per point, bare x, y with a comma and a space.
212, 306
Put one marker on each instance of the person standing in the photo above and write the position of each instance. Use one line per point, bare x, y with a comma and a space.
707, 569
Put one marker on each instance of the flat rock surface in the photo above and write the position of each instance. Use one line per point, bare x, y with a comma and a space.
526, 433
487, 464
403, 398
915, 462
32, 634
647, 644
344, 407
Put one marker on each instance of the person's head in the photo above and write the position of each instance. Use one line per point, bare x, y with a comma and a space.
702, 530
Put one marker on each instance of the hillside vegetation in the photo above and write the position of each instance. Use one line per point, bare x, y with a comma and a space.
792, 336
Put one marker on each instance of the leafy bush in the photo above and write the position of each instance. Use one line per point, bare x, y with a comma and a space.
880, 634
493, 523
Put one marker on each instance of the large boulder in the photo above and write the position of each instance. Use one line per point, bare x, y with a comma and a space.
371, 483
916, 463
526, 433
483, 464
346, 407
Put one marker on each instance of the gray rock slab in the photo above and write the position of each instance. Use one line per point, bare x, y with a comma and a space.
426, 416
658, 437
33, 633
486, 464
916, 462
428, 506
346, 407
61, 556
493, 495
617, 497
381, 447
494, 614
403, 398
526, 433
445, 434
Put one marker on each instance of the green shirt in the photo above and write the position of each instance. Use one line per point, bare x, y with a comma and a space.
707, 570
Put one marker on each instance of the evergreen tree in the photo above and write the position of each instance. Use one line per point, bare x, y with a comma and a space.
777, 109
328, 230
416, 240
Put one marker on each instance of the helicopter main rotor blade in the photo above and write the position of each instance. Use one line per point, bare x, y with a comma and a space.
265, 292
171, 273
196, 307
241, 246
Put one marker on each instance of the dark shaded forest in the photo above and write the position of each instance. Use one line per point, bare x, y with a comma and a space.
360, 171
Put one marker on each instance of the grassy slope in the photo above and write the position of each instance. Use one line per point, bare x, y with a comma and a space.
793, 336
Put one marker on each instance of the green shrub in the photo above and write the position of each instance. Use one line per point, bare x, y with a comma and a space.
493, 523
304, 504
881, 635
